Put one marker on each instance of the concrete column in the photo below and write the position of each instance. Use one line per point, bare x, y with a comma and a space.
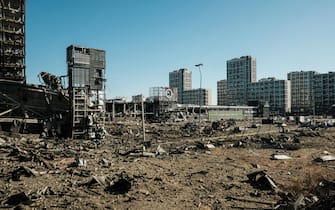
113, 111
135, 109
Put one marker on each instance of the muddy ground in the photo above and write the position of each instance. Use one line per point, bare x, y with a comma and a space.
184, 166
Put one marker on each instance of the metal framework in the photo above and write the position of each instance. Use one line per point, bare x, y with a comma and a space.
22, 103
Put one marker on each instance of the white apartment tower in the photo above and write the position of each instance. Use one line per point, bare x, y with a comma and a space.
240, 73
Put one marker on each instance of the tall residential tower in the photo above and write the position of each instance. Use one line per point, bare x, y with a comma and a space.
182, 80
324, 91
240, 73
302, 92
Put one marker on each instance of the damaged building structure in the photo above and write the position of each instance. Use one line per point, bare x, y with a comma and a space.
12, 40
50, 109
86, 72
24, 107
160, 104
78, 111
178, 102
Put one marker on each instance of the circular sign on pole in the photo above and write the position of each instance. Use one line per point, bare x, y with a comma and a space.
168, 93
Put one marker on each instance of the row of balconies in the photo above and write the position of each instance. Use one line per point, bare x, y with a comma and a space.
12, 30
12, 75
17, 42
19, 55
12, 65
14, 51
10, 8
12, 20
277, 97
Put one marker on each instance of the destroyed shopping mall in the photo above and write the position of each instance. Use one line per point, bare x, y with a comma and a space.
63, 145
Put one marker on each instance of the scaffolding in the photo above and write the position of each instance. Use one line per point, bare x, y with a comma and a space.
79, 110
88, 114
12, 40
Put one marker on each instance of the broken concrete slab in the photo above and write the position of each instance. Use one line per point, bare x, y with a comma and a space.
23, 171
320, 197
78, 162
209, 146
325, 158
105, 163
81, 162
261, 180
160, 151
46, 191
2, 142
19, 198
201, 145
120, 186
98, 180
280, 157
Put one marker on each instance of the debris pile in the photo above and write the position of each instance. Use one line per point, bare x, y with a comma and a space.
322, 197
281, 142
261, 180
179, 165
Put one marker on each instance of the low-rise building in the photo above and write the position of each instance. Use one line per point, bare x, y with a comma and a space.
276, 92
197, 96
222, 90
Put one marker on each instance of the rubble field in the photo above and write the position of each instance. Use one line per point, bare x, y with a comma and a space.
178, 166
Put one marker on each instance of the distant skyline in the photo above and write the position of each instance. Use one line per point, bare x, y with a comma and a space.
145, 40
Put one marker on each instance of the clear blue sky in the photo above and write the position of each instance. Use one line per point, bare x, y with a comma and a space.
146, 39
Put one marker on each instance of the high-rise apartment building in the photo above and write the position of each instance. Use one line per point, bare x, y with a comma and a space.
240, 73
324, 91
197, 96
222, 93
276, 92
182, 80
12, 40
302, 91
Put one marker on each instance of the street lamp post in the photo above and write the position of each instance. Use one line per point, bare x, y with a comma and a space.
199, 96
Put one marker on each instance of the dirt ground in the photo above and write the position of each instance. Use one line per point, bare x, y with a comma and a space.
181, 168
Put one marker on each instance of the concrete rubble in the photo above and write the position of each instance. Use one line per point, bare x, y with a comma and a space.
179, 165
322, 197
325, 158
262, 180
280, 157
